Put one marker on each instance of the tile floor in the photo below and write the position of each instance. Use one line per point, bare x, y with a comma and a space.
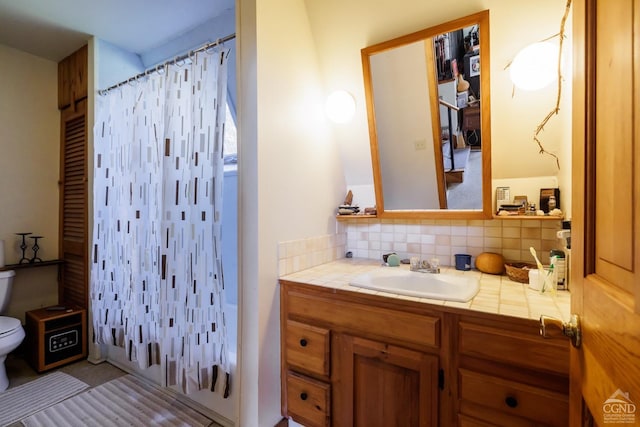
20, 372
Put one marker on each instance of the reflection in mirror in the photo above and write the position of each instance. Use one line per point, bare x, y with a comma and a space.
429, 121
403, 113
458, 71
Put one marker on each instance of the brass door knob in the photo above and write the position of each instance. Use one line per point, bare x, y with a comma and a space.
570, 329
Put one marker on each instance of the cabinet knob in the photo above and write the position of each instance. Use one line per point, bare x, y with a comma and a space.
511, 401
303, 342
303, 396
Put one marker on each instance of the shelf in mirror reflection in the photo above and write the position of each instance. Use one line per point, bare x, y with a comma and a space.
530, 217
363, 216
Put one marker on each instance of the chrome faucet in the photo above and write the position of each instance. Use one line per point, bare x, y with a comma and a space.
424, 266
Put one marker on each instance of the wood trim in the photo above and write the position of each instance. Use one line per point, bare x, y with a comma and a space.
436, 131
72, 78
373, 134
581, 262
481, 18
636, 153
284, 410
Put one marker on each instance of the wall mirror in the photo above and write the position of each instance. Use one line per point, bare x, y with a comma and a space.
428, 107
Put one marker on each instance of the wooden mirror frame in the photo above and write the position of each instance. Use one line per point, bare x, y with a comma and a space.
482, 20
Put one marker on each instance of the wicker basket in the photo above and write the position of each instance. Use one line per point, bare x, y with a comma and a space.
519, 271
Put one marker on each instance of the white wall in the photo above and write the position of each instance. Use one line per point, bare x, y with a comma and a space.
115, 64
29, 172
291, 179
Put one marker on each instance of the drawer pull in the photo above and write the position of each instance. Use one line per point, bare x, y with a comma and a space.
303, 396
511, 401
303, 342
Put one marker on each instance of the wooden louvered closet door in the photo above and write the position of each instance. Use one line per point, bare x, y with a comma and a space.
72, 102
73, 207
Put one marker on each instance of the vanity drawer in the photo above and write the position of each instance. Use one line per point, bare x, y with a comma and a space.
307, 348
308, 400
513, 347
365, 319
513, 398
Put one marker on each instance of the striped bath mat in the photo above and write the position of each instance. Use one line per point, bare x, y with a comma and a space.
26, 399
125, 401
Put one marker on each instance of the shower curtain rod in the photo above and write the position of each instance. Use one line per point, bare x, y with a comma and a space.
170, 62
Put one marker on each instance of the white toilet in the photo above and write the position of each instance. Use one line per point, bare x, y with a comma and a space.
11, 331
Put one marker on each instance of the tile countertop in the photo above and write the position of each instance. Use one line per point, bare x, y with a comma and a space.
497, 295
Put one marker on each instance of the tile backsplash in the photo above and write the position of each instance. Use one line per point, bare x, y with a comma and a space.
297, 255
371, 238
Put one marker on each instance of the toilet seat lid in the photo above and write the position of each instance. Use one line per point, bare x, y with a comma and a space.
8, 325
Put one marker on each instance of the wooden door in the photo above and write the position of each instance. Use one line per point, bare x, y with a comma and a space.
73, 288
73, 228
380, 385
605, 283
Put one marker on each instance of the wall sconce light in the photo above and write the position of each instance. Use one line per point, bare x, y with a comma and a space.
535, 66
340, 106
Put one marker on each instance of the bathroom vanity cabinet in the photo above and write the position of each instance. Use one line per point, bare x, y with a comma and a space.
358, 359
342, 356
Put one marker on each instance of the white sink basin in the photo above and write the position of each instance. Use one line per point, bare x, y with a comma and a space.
424, 285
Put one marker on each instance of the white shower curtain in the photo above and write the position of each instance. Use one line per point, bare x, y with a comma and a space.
156, 274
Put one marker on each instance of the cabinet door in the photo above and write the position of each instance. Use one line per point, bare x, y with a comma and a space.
73, 287
377, 384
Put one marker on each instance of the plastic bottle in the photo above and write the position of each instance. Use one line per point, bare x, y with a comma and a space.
549, 281
559, 261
